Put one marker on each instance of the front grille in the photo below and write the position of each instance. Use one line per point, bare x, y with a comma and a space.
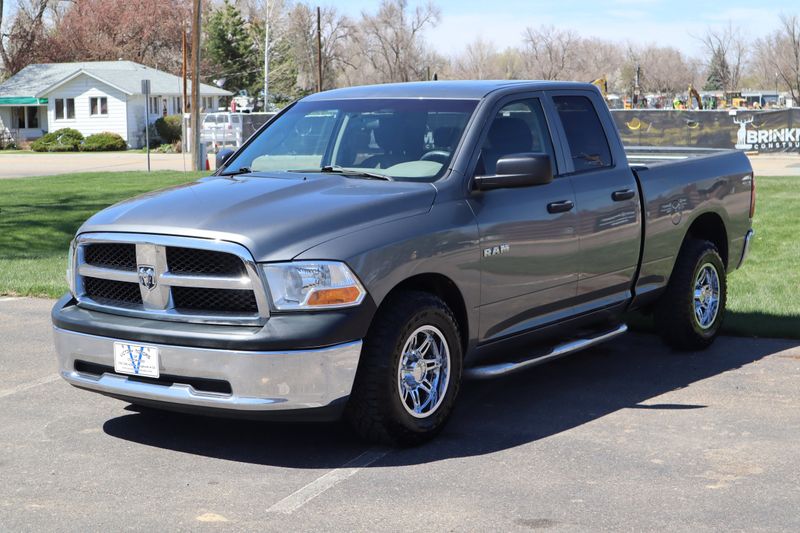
111, 255
219, 386
226, 300
193, 261
169, 278
109, 292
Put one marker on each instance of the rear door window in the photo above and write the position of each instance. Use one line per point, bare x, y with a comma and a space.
586, 137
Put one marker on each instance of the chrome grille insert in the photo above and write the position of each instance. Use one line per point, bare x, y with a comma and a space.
169, 278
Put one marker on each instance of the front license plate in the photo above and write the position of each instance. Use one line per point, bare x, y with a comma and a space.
136, 359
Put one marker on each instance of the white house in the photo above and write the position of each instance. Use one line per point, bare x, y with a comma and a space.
92, 97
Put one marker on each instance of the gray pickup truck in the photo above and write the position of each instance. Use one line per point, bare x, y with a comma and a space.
370, 247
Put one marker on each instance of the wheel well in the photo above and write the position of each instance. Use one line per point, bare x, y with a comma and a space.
444, 288
709, 227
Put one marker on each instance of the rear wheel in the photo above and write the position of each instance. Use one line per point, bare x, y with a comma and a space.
690, 313
410, 372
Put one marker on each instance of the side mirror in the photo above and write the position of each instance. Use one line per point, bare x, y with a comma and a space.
223, 156
518, 170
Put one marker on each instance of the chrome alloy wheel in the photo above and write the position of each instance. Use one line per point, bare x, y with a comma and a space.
706, 296
424, 371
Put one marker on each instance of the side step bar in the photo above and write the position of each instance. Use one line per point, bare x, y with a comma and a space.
560, 350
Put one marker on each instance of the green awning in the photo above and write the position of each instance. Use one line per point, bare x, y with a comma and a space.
22, 100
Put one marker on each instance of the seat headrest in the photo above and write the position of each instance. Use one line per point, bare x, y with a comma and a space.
510, 135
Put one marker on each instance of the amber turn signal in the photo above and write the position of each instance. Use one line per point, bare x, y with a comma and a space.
338, 296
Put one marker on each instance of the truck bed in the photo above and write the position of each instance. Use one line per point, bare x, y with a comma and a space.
659, 155
679, 186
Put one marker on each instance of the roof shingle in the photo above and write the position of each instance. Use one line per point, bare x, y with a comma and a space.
126, 75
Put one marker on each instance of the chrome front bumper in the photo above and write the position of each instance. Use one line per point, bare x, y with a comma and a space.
260, 381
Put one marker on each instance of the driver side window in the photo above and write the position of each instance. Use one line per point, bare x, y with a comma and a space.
518, 127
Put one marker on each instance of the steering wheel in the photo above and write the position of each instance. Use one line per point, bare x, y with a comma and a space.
439, 156
303, 129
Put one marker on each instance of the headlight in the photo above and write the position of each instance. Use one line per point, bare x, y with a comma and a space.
70, 268
303, 285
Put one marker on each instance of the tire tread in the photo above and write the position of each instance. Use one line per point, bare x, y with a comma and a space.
367, 410
674, 319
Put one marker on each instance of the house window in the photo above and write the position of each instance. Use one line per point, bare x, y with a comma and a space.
33, 117
155, 105
25, 117
176, 105
65, 108
98, 106
19, 117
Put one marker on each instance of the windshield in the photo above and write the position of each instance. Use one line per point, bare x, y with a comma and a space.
405, 139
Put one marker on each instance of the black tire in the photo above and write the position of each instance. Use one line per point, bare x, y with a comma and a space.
375, 409
675, 318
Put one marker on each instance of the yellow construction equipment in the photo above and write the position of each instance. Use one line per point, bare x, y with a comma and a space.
602, 84
694, 94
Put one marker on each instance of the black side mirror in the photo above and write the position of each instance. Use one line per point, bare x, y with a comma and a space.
223, 156
518, 170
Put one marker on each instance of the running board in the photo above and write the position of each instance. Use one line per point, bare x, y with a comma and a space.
560, 350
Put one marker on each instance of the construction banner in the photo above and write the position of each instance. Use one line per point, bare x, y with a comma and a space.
756, 131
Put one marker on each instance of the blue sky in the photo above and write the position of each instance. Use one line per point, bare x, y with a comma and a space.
639, 21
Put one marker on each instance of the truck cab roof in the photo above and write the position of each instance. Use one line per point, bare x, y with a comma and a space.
455, 89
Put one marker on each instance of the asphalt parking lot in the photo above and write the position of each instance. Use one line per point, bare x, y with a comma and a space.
626, 436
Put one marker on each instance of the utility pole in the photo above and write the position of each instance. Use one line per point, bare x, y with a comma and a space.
319, 52
197, 159
266, 58
184, 101
146, 93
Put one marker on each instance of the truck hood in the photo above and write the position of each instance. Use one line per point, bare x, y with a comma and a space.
276, 216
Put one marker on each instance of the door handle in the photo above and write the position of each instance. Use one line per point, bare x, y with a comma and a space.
624, 194
560, 207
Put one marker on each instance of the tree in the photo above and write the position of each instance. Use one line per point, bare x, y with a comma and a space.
779, 52
479, 61
145, 31
336, 31
22, 43
727, 50
596, 58
228, 48
391, 41
719, 74
664, 69
548, 52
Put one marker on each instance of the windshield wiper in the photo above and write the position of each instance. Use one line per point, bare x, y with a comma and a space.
336, 169
240, 170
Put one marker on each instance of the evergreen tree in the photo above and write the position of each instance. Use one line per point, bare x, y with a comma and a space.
719, 74
229, 48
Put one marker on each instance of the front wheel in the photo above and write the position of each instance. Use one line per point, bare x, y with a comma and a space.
690, 312
410, 371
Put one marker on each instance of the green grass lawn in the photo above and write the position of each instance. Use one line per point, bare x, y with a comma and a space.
39, 216
764, 295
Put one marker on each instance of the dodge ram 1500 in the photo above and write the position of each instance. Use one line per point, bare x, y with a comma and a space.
369, 247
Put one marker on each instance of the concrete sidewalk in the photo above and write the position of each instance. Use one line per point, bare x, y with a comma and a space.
776, 164
24, 165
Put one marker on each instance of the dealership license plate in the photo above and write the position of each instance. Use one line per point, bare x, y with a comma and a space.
136, 359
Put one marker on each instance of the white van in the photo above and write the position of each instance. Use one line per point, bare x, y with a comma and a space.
222, 129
